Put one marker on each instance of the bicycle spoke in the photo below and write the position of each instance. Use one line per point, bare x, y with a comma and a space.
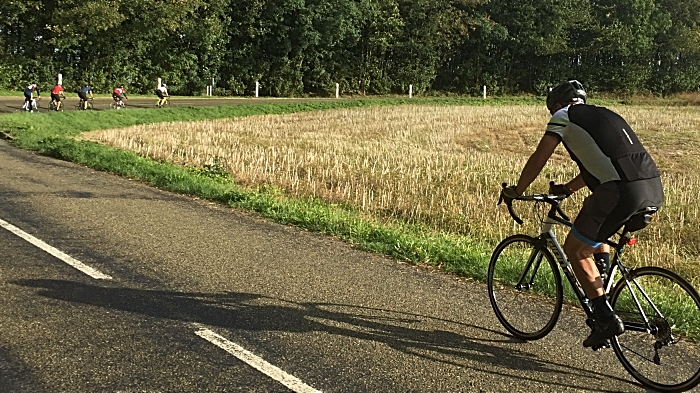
634, 352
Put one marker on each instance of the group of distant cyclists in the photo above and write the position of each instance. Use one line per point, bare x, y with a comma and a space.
31, 94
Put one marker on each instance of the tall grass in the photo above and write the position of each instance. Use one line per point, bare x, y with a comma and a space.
434, 166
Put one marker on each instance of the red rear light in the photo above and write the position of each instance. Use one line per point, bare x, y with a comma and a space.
632, 241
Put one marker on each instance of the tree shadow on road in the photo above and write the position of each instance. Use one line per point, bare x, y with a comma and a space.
406, 332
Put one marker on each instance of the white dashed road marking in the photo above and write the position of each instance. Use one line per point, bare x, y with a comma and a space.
293, 383
55, 252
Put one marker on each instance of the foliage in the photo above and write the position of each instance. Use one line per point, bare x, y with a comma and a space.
306, 47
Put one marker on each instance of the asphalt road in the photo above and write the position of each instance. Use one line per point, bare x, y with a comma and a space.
9, 104
202, 298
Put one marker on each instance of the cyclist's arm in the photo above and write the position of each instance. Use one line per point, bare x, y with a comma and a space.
576, 183
536, 162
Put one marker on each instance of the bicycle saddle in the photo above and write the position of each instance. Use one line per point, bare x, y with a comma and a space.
640, 219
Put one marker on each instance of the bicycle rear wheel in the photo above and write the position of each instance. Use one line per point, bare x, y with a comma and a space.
663, 354
525, 287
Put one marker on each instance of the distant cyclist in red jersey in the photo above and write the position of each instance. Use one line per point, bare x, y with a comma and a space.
119, 95
56, 95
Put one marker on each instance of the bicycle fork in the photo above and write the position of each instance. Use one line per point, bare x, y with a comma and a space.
533, 264
546, 241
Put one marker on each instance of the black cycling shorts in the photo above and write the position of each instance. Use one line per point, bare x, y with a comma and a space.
55, 97
83, 96
611, 204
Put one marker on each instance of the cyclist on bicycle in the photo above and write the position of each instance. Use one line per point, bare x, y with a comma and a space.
29, 96
56, 95
83, 94
162, 93
119, 95
623, 179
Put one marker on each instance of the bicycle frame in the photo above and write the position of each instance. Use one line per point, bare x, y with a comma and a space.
84, 104
56, 102
32, 104
547, 240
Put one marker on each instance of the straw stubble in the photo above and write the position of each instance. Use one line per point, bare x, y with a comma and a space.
438, 166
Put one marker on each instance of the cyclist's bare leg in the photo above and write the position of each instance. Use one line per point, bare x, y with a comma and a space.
606, 323
580, 256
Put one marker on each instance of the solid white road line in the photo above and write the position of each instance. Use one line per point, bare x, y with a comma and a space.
55, 252
293, 383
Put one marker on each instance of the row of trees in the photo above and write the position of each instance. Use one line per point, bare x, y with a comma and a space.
296, 47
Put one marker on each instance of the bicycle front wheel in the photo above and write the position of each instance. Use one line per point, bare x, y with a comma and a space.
661, 313
525, 287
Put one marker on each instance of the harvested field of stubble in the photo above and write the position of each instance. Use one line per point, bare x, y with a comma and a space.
440, 166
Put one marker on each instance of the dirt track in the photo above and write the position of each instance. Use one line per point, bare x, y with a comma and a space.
14, 104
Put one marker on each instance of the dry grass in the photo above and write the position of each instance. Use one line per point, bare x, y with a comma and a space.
440, 166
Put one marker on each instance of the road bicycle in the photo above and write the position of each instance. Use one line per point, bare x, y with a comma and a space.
117, 104
32, 105
165, 101
84, 105
660, 309
53, 105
